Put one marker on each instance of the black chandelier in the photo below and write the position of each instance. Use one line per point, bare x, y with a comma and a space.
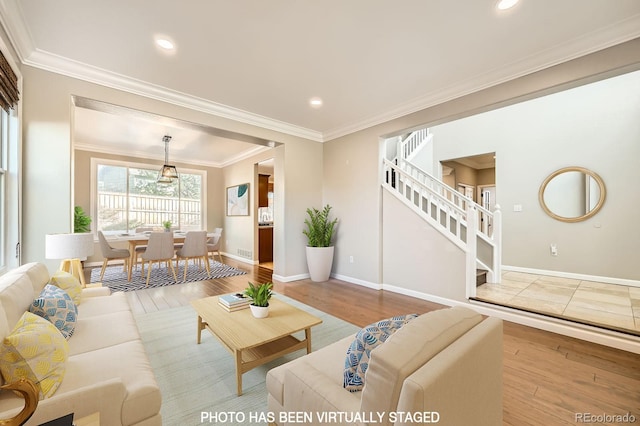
168, 172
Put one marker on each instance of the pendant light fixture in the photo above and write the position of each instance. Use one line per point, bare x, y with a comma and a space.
168, 172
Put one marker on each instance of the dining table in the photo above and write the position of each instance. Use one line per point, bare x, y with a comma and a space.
142, 238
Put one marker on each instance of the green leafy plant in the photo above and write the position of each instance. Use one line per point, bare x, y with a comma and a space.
81, 220
260, 293
320, 229
167, 224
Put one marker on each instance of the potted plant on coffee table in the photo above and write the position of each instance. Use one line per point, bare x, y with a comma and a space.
319, 232
260, 295
166, 225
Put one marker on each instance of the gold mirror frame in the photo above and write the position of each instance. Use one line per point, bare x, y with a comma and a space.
596, 208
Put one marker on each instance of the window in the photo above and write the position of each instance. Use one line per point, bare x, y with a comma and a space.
127, 197
9, 164
4, 146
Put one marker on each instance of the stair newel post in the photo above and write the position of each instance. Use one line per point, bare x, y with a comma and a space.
400, 154
472, 249
496, 236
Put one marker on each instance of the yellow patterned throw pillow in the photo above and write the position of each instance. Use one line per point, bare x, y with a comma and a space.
68, 283
35, 349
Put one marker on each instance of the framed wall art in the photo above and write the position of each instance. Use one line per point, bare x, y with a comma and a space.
238, 200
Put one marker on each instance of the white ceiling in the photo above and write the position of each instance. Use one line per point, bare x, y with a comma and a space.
261, 61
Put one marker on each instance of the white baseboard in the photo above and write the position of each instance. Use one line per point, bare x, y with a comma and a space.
287, 279
596, 278
585, 332
357, 281
241, 259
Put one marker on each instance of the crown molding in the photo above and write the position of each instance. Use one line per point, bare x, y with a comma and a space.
19, 35
612, 35
12, 20
191, 161
60, 65
13, 23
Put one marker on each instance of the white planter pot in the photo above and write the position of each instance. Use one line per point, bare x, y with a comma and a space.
259, 311
319, 261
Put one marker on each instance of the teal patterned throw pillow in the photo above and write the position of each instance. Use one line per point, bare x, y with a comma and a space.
55, 305
367, 339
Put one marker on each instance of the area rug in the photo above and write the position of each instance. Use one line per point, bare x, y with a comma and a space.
196, 379
116, 279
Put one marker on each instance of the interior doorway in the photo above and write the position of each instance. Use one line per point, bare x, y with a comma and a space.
487, 196
471, 175
264, 219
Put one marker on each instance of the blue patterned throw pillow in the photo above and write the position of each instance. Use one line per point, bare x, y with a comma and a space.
55, 305
367, 339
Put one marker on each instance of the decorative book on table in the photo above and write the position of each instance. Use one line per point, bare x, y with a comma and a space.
233, 308
234, 300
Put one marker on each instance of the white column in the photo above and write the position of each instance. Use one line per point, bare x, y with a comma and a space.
472, 250
497, 241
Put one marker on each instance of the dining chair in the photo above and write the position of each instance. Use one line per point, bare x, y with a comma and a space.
110, 253
213, 244
159, 249
195, 247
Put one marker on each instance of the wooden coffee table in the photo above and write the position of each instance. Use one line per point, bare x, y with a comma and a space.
254, 341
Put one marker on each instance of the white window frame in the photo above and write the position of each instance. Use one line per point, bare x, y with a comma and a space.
4, 151
95, 161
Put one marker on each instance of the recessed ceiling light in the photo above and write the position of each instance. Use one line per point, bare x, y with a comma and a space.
164, 43
315, 102
506, 4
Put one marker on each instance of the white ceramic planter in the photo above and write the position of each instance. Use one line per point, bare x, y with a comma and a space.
319, 262
259, 311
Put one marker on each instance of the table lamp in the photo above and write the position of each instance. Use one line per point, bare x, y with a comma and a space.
71, 249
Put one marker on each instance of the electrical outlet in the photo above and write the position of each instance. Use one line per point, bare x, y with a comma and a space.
350, 259
554, 250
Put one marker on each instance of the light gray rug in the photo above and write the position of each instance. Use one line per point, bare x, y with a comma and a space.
201, 378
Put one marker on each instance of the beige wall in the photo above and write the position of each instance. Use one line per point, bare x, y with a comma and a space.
487, 176
593, 126
351, 178
48, 192
343, 172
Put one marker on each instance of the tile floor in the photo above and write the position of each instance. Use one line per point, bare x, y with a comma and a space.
608, 305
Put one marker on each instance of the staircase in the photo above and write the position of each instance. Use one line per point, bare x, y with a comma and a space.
474, 229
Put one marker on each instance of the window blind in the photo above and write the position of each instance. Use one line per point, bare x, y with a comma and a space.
9, 94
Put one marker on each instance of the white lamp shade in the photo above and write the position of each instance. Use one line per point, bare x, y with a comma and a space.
68, 246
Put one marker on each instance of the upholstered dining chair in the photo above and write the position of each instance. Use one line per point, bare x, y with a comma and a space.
159, 249
195, 247
109, 253
213, 244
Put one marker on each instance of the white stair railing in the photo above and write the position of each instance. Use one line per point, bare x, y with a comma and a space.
409, 146
452, 214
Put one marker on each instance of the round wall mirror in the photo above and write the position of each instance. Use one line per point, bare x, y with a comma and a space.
572, 194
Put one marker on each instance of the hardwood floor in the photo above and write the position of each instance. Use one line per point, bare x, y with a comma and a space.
548, 379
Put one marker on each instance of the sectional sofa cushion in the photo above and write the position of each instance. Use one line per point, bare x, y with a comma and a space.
56, 306
366, 340
68, 283
405, 352
35, 349
126, 363
16, 295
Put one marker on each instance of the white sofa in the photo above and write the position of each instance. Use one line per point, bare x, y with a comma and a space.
107, 370
445, 366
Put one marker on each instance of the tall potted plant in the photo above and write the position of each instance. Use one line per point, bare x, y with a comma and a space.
320, 230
